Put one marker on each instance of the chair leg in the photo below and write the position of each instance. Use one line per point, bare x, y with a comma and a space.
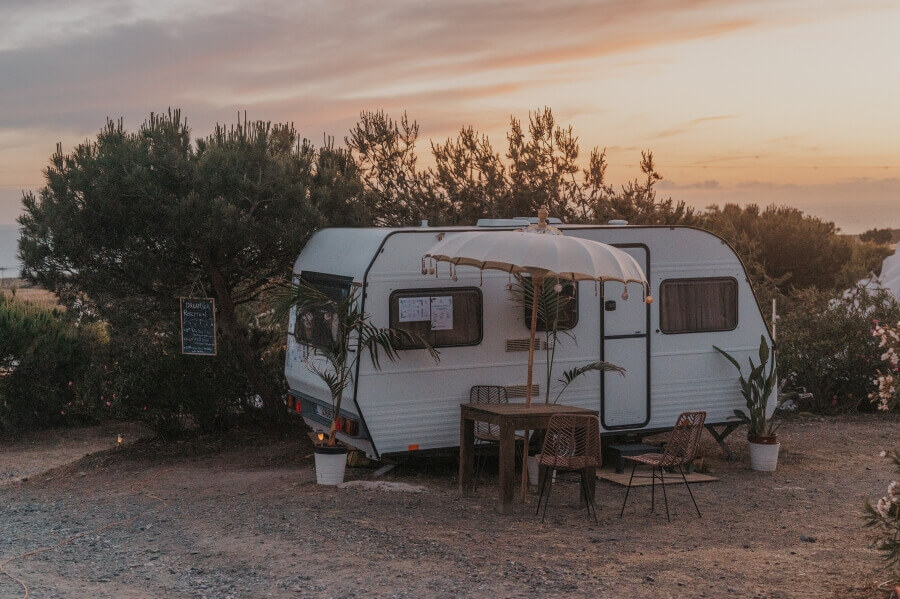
686, 484
628, 490
662, 479
588, 497
543, 486
653, 490
547, 500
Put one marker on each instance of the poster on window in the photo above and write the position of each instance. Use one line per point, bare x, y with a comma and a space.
414, 309
442, 313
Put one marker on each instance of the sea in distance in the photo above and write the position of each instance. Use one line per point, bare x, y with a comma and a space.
9, 264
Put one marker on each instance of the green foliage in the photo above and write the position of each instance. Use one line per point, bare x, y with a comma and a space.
638, 203
130, 221
40, 354
551, 302
470, 180
827, 345
884, 518
757, 389
154, 384
355, 335
791, 248
569, 376
879, 236
397, 194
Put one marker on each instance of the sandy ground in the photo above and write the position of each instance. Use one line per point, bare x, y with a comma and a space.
248, 521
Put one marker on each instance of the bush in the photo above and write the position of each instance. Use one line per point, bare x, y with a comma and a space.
884, 518
171, 393
40, 353
828, 346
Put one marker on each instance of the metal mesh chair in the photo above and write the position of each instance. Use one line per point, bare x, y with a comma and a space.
680, 449
572, 442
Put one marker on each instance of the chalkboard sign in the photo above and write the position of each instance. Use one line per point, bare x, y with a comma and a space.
198, 326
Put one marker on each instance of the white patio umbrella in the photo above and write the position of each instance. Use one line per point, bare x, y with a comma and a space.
541, 252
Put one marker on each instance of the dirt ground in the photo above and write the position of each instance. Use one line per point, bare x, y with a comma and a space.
247, 520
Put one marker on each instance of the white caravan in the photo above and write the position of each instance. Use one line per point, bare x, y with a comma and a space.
702, 297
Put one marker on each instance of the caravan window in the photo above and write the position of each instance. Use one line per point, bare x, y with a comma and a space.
567, 317
318, 326
698, 305
443, 317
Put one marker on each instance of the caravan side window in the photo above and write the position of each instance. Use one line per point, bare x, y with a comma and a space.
698, 305
318, 327
443, 317
563, 306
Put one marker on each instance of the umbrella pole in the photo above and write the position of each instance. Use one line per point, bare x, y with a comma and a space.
536, 284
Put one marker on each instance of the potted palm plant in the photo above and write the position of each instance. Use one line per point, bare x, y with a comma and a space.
351, 335
554, 298
758, 388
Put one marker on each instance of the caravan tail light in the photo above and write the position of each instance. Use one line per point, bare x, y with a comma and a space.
294, 404
348, 426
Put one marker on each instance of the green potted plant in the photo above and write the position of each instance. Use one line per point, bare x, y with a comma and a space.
334, 361
758, 388
554, 298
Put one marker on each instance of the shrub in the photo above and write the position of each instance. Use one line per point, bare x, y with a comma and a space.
829, 347
40, 353
152, 382
887, 394
884, 517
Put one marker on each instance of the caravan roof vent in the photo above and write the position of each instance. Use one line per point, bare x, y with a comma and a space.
618, 222
502, 222
533, 220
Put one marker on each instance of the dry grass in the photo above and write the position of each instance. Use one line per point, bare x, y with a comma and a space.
35, 295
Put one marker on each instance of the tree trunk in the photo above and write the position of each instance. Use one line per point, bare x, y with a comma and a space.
238, 343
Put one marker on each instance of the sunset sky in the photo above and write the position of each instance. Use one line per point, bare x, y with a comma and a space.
788, 102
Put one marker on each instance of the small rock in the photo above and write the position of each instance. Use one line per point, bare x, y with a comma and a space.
649, 578
806, 539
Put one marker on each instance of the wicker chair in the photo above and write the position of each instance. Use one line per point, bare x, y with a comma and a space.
572, 442
486, 433
488, 394
680, 449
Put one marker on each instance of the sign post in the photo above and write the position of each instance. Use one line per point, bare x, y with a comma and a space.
198, 326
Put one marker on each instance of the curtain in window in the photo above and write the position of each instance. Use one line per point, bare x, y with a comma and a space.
698, 305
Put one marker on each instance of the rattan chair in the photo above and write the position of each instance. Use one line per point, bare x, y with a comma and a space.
572, 442
680, 449
486, 433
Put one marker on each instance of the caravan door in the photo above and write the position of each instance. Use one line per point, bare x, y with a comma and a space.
625, 341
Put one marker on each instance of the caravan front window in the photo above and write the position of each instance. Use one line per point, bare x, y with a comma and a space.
318, 326
698, 305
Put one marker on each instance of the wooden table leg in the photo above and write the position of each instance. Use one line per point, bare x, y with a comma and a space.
507, 465
466, 455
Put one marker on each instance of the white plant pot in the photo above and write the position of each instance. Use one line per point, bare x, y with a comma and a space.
331, 462
764, 456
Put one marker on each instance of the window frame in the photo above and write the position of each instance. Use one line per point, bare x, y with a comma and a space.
436, 291
576, 299
319, 277
737, 315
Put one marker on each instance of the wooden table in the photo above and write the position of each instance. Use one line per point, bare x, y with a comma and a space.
510, 418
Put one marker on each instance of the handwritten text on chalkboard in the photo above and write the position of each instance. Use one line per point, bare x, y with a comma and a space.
198, 326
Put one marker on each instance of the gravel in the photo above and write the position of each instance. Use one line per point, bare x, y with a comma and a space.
247, 520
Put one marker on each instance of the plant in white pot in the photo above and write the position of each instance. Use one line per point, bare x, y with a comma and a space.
352, 335
554, 316
758, 388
